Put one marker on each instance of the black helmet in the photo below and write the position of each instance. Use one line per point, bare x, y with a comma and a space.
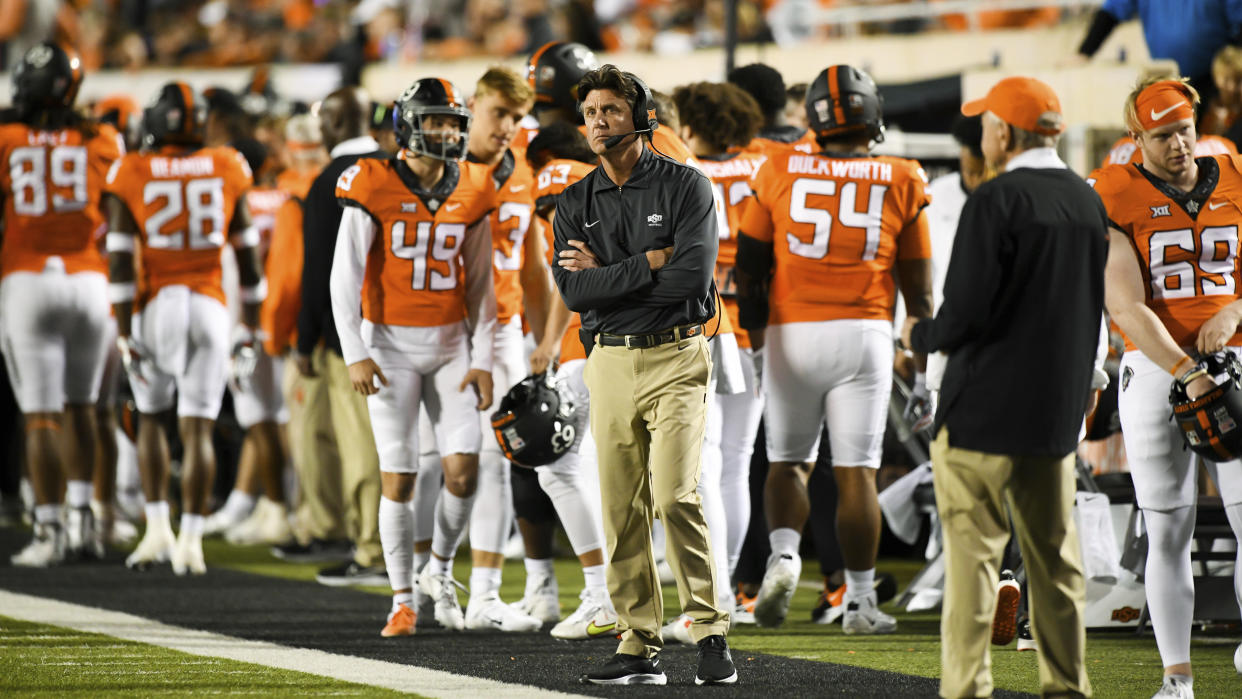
554, 70
47, 77
176, 115
1212, 423
844, 99
426, 97
535, 423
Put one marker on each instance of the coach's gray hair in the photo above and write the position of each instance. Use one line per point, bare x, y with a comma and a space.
1026, 140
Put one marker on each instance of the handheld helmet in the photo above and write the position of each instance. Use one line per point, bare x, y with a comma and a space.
844, 100
427, 97
554, 71
1210, 423
46, 77
535, 422
176, 115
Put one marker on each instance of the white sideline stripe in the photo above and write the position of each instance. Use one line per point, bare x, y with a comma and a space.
375, 673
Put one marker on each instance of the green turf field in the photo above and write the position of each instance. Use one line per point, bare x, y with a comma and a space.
39, 660
1121, 664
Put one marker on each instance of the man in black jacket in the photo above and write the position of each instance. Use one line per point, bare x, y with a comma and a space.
344, 119
1021, 320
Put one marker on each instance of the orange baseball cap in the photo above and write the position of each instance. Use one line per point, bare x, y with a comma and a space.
1026, 103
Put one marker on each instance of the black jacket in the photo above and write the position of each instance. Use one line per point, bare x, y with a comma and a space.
663, 203
1023, 300
320, 223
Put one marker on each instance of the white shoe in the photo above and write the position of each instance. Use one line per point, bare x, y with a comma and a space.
864, 617
1237, 659
594, 618
111, 526
678, 630
488, 612
779, 582
424, 609
47, 548
156, 546
81, 535
443, 589
542, 602
742, 614
665, 572
268, 525
1175, 688
187, 555
222, 520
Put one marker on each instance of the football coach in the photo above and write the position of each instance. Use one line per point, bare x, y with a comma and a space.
1023, 302
635, 249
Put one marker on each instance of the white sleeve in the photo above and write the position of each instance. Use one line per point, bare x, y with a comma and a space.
476, 256
349, 264
1099, 377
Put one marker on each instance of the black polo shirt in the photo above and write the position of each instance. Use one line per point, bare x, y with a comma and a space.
662, 203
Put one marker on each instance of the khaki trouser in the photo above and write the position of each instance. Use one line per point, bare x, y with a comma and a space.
312, 447
972, 491
360, 477
649, 406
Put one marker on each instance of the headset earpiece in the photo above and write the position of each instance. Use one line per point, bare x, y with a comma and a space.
644, 106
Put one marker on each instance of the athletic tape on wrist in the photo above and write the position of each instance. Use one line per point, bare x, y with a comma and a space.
119, 242
248, 238
120, 292
254, 294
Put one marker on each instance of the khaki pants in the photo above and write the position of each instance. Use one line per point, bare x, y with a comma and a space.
312, 447
649, 406
972, 491
360, 477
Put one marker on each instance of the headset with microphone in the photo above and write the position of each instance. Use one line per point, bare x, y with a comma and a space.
644, 114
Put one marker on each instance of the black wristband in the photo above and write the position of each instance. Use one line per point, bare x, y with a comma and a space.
1101, 26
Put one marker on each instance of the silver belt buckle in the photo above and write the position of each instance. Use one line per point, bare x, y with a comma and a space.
627, 342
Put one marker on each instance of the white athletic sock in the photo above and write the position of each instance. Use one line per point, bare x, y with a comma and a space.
419, 560
484, 581
440, 567
452, 514
492, 520
78, 493
1169, 581
47, 514
785, 541
191, 525
582, 524
406, 598
593, 576
859, 583
396, 530
238, 505
538, 570
156, 512
426, 492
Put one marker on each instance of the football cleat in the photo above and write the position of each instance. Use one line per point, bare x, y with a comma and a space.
864, 617
82, 538
443, 589
678, 630
1025, 640
1175, 687
744, 609
156, 547
267, 524
1005, 619
47, 548
541, 601
1237, 659
401, 622
223, 520
779, 582
488, 612
594, 618
831, 605
187, 555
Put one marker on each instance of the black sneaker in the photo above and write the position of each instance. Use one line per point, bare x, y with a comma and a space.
353, 574
1025, 640
715, 662
317, 551
628, 669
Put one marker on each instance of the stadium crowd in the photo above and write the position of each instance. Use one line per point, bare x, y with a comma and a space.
363, 294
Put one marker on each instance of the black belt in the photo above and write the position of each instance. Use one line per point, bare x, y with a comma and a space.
663, 337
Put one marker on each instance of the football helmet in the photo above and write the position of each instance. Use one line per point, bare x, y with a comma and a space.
427, 97
535, 422
554, 70
1210, 423
176, 115
844, 99
47, 77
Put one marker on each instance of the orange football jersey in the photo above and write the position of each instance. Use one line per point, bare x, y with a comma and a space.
1189, 263
263, 203
51, 183
283, 268
838, 223
1125, 150
183, 203
731, 177
414, 275
768, 146
515, 205
549, 183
